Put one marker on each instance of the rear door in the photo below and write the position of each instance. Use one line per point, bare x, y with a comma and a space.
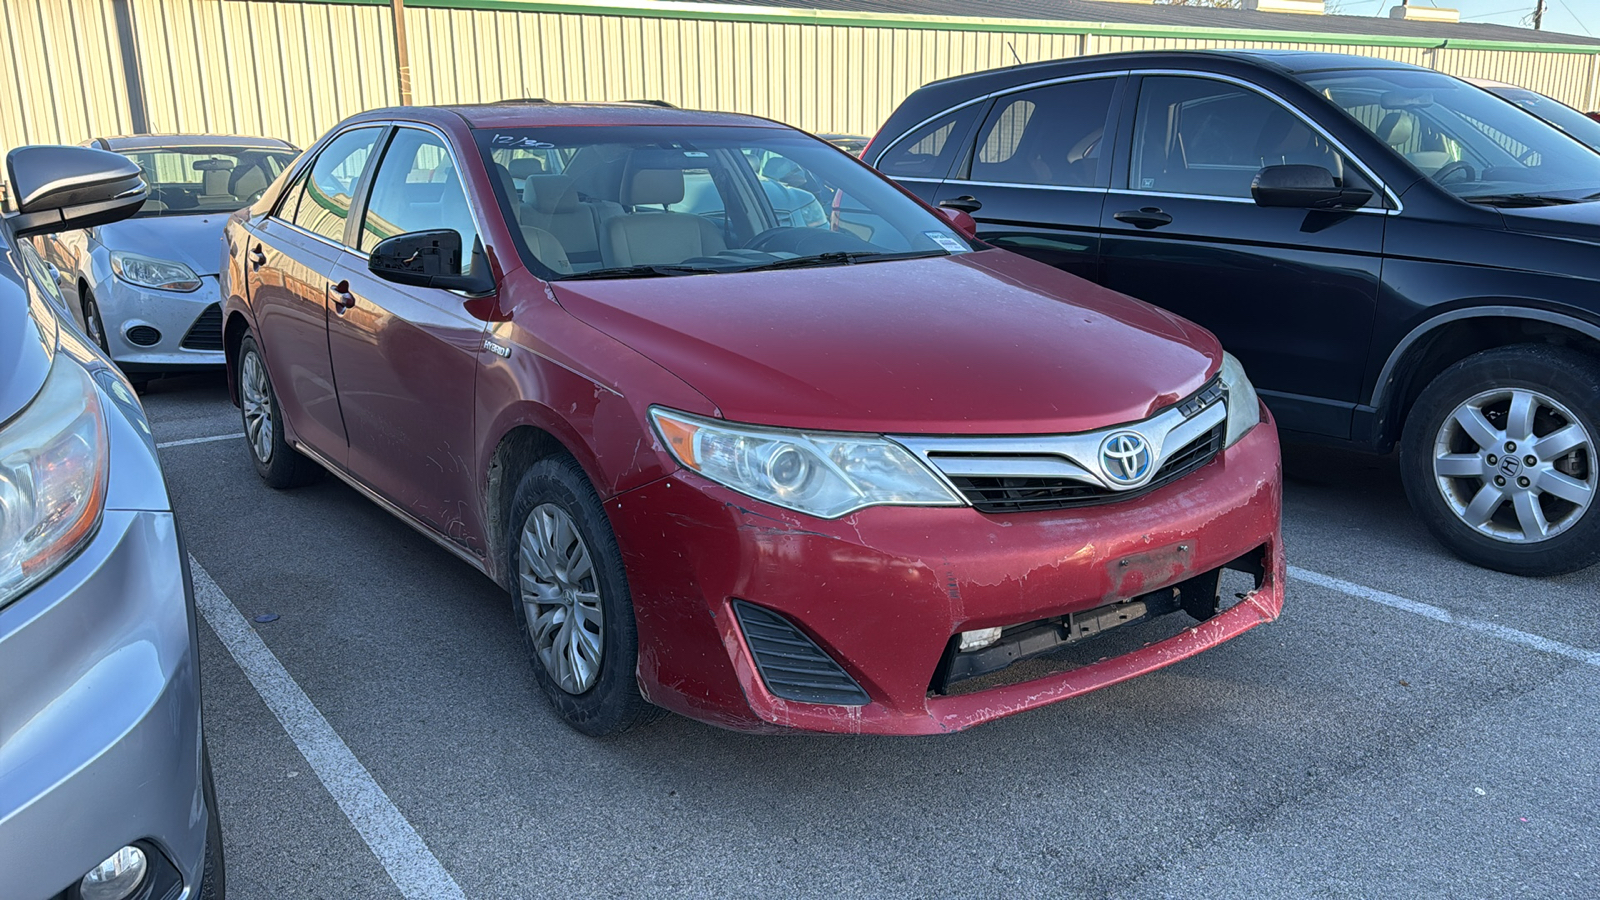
406, 358
1291, 292
288, 260
1036, 176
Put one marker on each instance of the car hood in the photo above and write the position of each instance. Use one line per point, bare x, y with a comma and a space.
195, 241
1571, 220
978, 343
27, 346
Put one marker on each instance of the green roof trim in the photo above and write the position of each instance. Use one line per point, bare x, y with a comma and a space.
786, 16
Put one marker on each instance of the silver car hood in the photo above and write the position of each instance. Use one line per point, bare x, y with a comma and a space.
27, 347
195, 241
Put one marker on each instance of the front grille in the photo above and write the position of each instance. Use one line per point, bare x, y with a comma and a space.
1028, 494
791, 664
206, 332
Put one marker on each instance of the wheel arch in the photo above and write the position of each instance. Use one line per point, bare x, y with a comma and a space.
233, 332
521, 446
1440, 342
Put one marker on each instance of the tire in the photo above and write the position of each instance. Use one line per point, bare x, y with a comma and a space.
93, 322
213, 876
279, 465
556, 509
1480, 496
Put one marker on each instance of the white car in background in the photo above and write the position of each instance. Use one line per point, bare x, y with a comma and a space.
145, 288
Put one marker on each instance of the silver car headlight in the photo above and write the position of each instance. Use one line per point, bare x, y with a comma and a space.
53, 468
818, 473
161, 274
1244, 407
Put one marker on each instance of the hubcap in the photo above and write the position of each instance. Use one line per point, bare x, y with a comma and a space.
561, 598
1515, 465
253, 392
97, 326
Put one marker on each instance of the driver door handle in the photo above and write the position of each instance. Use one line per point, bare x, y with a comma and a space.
257, 257
966, 203
341, 296
1147, 217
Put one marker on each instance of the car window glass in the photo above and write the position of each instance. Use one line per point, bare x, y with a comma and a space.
417, 188
1050, 135
1199, 136
929, 151
324, 204
201, 180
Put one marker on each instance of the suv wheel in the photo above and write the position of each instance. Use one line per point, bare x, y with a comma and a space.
572, 602
1498, 458
278, 464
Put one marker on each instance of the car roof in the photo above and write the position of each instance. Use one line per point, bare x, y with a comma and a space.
160, 141
524, 113
1292, 62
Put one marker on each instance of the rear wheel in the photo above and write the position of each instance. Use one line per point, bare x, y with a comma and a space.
279, 465
572, 602
1498, 458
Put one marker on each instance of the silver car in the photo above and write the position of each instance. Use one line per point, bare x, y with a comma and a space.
105, 787
145, 289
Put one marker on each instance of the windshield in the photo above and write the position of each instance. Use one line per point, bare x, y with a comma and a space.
639, 201
1581, 127
196, 180
1470, 142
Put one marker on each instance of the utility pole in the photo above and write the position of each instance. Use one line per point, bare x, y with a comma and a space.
402, 57
1538, 14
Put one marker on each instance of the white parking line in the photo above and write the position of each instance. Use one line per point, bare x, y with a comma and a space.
409, 862
1437, 614
199, 440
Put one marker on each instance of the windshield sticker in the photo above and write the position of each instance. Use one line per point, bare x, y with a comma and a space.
517, 140
946, 241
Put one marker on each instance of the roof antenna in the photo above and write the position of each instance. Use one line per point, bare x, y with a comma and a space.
1013, 48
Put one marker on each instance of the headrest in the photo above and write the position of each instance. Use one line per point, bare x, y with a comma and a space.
649, 186
504, 174
549, 193
1396, 128
523, 166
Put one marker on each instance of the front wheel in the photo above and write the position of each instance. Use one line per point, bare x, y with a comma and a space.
279, 465
572, 602
1498, 459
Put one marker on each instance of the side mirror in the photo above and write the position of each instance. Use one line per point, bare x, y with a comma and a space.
959, 220
1304, 187
431, 259
62, 188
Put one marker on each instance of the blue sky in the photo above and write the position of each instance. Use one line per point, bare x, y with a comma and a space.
1571, 16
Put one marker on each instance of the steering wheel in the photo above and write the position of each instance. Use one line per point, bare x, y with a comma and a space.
760, 241
1452, 168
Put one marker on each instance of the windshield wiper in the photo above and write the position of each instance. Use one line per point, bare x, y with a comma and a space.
841, 258
639, 272
1520, 200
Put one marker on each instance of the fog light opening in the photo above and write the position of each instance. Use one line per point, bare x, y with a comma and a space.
978, 639
118, 877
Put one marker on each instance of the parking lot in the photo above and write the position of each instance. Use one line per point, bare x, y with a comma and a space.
1412, 726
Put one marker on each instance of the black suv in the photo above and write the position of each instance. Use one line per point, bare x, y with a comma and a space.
1394, 254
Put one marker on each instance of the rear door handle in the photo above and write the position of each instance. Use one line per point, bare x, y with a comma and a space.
1147, 217
341, 296
966, 203
258, 258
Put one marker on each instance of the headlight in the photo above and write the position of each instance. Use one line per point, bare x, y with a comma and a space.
825, 475
1244, 407
161, 274
52, 478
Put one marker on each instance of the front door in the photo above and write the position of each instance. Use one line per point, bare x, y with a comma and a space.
1291, 292
406, 358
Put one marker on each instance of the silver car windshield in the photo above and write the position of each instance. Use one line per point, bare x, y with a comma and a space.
1471, 143
200, 180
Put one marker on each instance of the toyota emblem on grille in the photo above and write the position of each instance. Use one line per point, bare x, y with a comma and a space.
1126, 459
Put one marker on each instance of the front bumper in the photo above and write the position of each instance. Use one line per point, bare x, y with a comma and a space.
100, 723
190, 325
884, 590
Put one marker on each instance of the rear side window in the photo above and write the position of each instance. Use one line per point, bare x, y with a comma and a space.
929, 151
325, 196
1050, 135
417, 188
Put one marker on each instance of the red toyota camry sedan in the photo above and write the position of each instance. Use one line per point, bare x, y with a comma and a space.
747, 432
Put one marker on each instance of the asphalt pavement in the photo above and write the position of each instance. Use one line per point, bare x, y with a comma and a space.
1412, 727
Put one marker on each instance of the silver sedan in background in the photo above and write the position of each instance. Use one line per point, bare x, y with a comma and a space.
145, 289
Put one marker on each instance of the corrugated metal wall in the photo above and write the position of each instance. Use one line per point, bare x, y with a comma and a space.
292, 68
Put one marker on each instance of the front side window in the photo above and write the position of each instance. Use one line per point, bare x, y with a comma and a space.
417, 188
1466, 140
1050, 136
652, 201
326, 193
1210, 138
186, 181
929, 151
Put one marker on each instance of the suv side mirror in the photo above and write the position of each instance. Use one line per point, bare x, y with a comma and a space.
431, 259
62, 188
1304, 187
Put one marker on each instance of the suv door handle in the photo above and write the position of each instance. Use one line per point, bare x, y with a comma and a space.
342, 298
257, 258
1147, 217
966, 203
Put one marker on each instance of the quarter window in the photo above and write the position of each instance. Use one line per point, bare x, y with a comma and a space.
929, 151
1049, 135
324, 201
417, 188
